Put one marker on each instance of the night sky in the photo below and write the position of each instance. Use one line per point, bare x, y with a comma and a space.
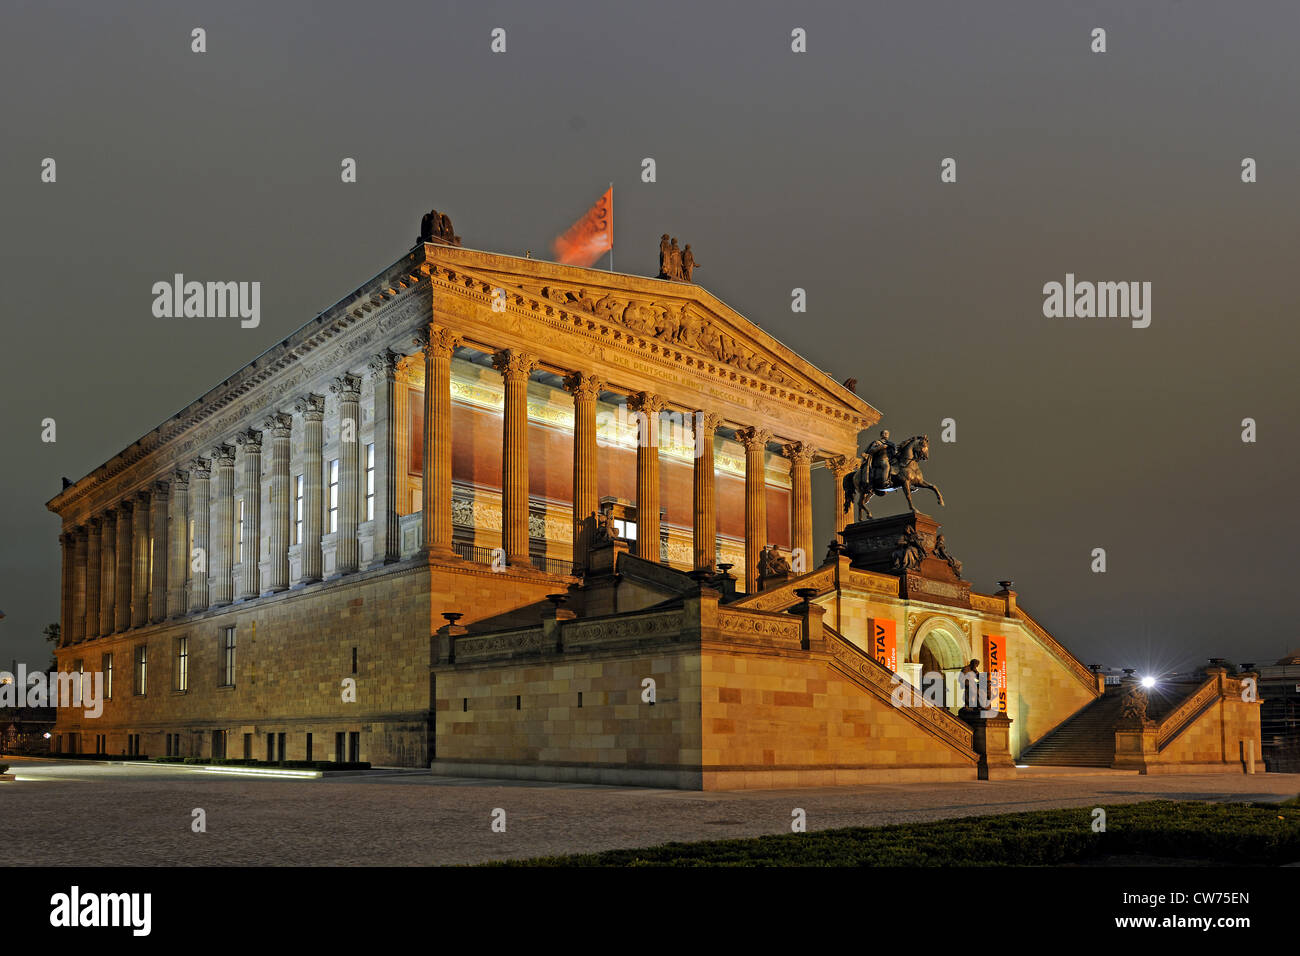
818, 170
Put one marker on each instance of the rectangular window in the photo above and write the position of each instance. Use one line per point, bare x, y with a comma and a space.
297, 509
338, 747
333, 524
370, 482
308, 746
106, 665
239, 533
354, 660
182, 663
142, 669
248, 746
228, 656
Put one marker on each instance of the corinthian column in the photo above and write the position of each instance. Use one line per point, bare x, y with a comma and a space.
68, 547
277, 572
125, 560
585, 389
840, 466
755, 441
107, 570
515, 367
79, 587
200, 557
387, 529
438, 344
346, 549
647, 407
223, 545
251, 442
312, 410
158, 552
800, 454
706, 501
178, 545
92, 578
140, 560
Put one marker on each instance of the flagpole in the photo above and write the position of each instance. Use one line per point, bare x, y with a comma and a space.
611, 227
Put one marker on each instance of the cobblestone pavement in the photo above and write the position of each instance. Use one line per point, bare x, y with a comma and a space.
106, 815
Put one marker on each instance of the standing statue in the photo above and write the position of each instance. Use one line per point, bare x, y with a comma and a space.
688, 263
886, 468
674, 261
665, 257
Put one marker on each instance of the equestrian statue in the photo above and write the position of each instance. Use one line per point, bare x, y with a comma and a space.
888, 467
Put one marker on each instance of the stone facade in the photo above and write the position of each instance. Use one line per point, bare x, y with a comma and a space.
482, 621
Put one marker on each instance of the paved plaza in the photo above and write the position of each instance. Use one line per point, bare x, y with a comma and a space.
113, 814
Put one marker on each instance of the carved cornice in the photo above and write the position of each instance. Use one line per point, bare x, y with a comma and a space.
389, 301
513, 364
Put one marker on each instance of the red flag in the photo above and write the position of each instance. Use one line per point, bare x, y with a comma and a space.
590, 237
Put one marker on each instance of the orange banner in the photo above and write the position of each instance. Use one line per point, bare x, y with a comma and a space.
884, 641
995, 662
590, 237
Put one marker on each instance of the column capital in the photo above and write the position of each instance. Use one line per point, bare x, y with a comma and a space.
752, 437
513, 364
436, 341
92, 523
799, 452
161, 489
583, 385
279, 425
347, 387
311, 407
383, 363
142, 497
646, 402
223, 454
250, 440
201, 469
841, 465
706, 421
180, 477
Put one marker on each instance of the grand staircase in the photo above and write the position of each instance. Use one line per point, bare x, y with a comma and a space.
1085, 740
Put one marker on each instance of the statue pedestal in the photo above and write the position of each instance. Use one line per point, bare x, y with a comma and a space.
991, 739
873, 545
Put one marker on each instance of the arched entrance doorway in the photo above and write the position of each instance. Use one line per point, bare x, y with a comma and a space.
940, 648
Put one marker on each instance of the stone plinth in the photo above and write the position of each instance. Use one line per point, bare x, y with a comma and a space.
874, 545
992, 741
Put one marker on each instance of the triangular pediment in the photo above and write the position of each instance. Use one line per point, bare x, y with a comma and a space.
678, 317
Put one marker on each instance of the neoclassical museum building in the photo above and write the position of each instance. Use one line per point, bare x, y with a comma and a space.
503, 517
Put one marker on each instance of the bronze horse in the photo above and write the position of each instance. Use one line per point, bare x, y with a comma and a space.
883, 471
